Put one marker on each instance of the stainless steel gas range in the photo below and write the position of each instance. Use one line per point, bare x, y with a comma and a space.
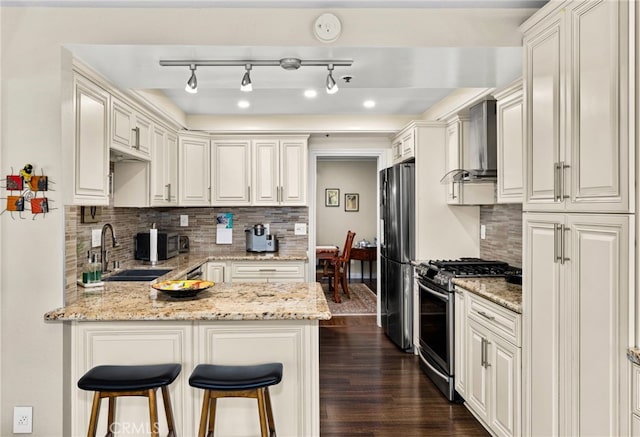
436, 300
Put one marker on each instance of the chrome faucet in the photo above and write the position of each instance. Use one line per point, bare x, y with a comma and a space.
103, 249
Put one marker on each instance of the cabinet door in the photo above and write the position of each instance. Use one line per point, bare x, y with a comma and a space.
91, 143
543, 351
215, 272
159, 167
231, 172
597, 176
597, 320
408, 141
504, 365
194, 188
459, 356
266, 168
477, 387
122, 125
142, 134
544, 97
172, 168
293, 172
510, 138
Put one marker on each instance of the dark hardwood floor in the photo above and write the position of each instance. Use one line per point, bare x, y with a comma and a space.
369, 388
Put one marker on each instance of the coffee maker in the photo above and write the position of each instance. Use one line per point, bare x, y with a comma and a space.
259, 241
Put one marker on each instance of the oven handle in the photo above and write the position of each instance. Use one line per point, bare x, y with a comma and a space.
444, 297
436, 371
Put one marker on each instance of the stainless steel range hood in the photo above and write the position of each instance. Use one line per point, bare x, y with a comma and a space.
480, 151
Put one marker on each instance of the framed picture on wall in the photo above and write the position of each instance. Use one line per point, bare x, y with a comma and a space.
331, 197
351, 202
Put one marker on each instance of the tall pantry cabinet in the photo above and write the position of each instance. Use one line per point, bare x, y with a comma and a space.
579, 226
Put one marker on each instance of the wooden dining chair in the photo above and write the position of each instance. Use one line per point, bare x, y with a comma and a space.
339, 267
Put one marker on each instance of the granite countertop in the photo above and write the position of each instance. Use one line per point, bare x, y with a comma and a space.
496, 290
226, 301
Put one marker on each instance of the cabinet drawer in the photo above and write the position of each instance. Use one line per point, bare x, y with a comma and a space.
499, 320
270, 269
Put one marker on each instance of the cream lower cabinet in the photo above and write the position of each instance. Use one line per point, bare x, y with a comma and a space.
635, 400
291, 342
214, 271
460, 332
268, 271
493, 361
576, 324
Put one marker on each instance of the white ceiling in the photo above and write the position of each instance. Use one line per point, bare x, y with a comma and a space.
401, 80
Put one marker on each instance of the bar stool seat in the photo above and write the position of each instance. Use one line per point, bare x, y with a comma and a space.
220, 381
112, 381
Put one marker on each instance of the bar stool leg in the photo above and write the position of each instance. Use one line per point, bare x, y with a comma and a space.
261, 409
204, 414
95, 412
213, 403
153, 413
166, 399
111, 416
272, 425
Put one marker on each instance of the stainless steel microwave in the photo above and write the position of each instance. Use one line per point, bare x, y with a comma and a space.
168, 245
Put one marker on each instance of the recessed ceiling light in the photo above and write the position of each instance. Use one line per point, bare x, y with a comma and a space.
369, 104
310, 94
243, 104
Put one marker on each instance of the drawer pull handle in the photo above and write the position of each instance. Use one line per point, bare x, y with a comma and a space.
486, 316
267, 270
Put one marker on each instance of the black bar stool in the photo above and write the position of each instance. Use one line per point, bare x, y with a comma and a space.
113, 381
236, 381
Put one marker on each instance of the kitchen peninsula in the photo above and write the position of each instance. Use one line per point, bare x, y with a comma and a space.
229, 323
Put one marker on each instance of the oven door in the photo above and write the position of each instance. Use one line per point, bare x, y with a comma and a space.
436, 326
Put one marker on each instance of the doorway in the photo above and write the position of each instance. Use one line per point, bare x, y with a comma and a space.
352, 174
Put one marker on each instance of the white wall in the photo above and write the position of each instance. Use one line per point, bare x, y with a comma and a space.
349, 176
31, 256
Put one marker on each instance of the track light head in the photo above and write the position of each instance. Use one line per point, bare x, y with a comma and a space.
192, 83
332, 86
246, 85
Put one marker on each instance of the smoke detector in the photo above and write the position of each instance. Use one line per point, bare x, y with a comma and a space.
327, 28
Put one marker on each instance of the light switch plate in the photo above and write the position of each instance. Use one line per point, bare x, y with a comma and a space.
184, 220
300, 229
95, 237
483, 232
267, 228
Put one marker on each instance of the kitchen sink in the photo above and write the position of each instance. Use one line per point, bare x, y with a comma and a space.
137, 275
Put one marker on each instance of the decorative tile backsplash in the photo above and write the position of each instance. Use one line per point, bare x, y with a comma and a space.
201, 231
504, 233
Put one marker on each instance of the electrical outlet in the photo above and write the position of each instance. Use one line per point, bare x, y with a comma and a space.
22, 420
483, 232
184, 220
300, 229
95, 237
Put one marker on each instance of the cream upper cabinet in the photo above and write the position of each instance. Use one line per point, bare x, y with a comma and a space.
194, 174
164, 168
403, 145
576, 324
510, 143
231, 171
131, 132
91, 151
577, 107
280, 171
453, 157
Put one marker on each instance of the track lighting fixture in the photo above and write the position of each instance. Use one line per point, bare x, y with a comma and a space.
245, 85
332, 86
290, 64
192, 83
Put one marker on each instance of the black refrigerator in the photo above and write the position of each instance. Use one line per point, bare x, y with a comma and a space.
397, 249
